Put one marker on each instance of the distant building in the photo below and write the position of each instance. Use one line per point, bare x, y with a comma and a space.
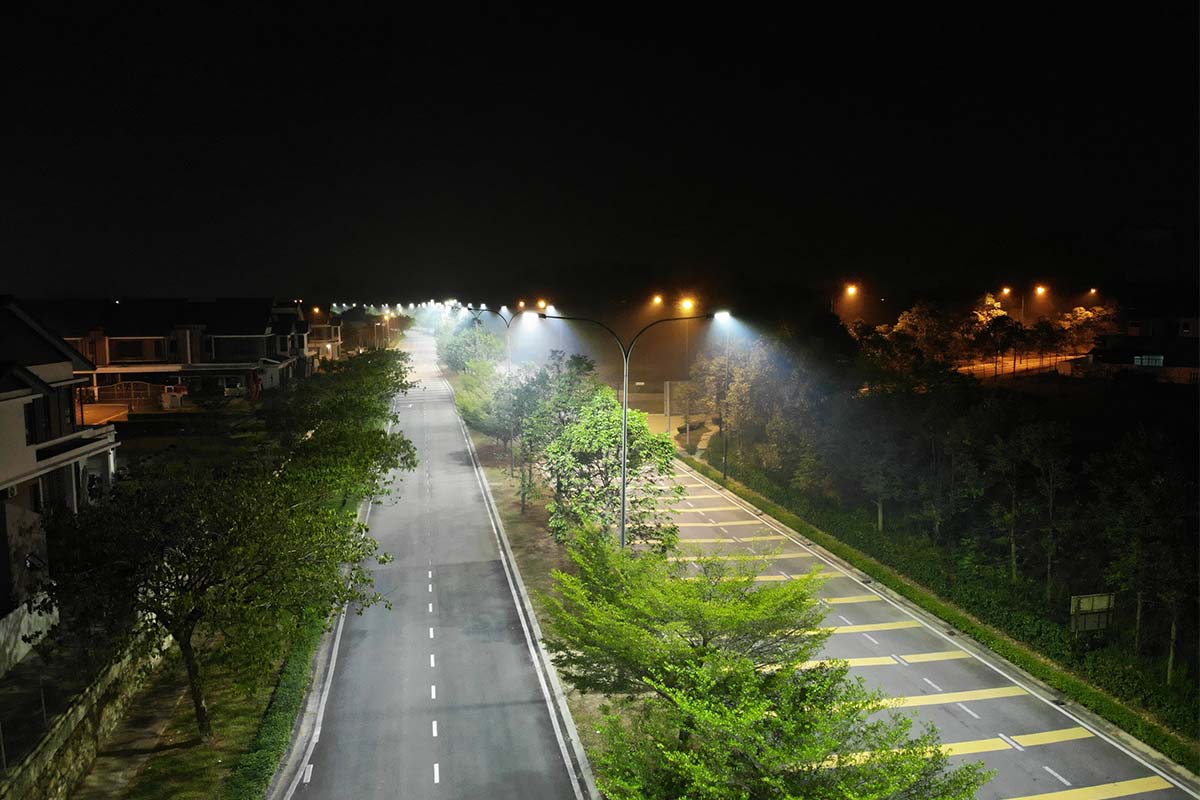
48, 457
149, 352
1160, 344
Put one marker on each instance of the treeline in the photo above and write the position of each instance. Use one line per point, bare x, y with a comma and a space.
234, 560
713, 684
562, 430
1004, 502
927, 335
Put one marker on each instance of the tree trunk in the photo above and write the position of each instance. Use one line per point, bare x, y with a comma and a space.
203, 723
1012, 540
1049, 566
879, 514
1174, 638
1137, 627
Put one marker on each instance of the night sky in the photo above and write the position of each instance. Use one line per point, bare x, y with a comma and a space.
488, 154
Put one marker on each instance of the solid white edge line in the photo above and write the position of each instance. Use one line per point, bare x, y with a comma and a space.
521, 613
1065, 712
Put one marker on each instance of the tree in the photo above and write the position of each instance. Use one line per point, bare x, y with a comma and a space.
584, 463
1044, 448
722, 691
238, 555
1004, 465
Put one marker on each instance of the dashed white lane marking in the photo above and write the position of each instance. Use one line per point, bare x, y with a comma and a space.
843, 619
871, 638
1011, 743
936, 688
433, 691
435, 729
430, 574
432, 663
431, 633
1063, 780
437, 775
431, 587
900, 659
308, 773
431, 608
969, 711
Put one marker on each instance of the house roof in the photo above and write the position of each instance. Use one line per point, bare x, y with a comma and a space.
14, 376
26, 341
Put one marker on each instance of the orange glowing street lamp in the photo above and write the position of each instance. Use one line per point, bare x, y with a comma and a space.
687, 304
520, 304
1041, 290
541, 304
851, 289
1006, 291
657, 300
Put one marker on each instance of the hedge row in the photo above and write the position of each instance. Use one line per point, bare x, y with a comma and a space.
1136, 723
252, 775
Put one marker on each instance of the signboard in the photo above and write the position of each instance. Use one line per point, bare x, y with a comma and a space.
1091, 612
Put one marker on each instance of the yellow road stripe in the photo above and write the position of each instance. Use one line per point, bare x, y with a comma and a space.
941, 655
701, 496
699, 510
1052, 737
853, 598
870, 661
874, 626
731, 540
719, 524
772, 537
746, 557
956, 697
1103, 791
771, 578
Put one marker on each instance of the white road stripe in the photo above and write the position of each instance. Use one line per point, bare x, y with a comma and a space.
308, 773
900, 659
431, 608
431, 633
437, 776
843, 619
1064, 781
969, 711
433, 691
936, 688
435, 729
1011, 743
430, 573
432, 663
872, 638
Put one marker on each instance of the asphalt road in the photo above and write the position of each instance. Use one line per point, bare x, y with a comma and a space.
1038, 749
439, 697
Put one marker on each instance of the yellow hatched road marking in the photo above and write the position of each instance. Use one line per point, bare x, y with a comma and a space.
874, 626
730, 540
772, 578
853, 598
941, 655
1051, 737
772, 537
700, 496
870, 661
719, 524
1103, 791
700, 510
746, 557
956, 697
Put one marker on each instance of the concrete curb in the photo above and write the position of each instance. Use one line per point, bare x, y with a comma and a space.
1153, 759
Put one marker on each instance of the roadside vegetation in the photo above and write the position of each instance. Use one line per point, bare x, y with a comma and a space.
699, 680
236, 563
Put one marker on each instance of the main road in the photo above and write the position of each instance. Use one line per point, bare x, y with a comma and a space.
444, 695
981, 707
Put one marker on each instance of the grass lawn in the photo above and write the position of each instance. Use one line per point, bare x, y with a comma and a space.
181, 766
537, 556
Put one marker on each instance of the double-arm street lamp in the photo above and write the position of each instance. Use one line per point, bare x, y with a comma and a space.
506, 319
626, 351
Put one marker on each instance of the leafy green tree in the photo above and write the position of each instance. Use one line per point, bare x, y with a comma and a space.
1044, 447
584, 463
722, 690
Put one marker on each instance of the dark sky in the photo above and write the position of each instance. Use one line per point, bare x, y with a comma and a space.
493, 153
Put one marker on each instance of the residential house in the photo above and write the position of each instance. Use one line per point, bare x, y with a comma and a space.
1161, 344
48, 457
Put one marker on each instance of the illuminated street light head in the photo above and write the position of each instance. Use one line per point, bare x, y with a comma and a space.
520, 304
1006, 291
317, 309
1091, 291
851, 289
541, 304
722, 316
687, 304
657, 300
1041, 290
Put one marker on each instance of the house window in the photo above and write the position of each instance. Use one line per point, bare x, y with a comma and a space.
1147, 361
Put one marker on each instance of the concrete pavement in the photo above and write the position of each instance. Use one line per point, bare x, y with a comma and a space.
443, 696
981, 708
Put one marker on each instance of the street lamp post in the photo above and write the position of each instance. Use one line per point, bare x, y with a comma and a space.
725, 405
626, 351
475, 312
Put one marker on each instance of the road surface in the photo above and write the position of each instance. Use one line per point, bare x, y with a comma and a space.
1038, 749
439, 697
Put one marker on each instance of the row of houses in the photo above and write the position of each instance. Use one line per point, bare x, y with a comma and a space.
61, 360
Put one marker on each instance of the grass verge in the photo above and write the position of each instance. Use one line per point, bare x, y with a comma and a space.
1132, 721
